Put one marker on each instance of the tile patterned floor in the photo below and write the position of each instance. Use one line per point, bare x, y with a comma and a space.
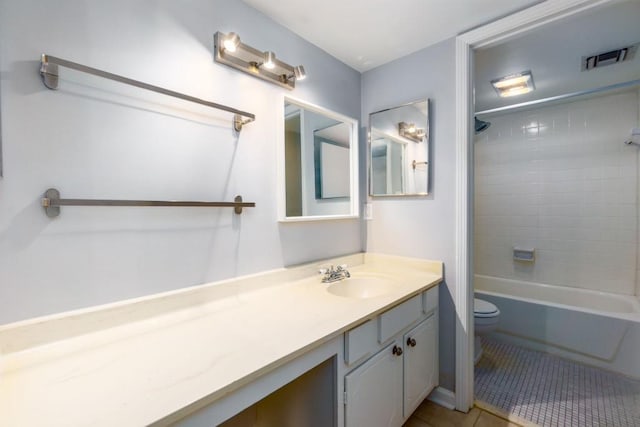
551, 391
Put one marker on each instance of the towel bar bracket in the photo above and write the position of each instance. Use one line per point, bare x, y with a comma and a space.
50, 195
49, 73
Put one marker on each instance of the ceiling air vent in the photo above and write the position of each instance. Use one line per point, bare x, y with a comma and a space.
608, 58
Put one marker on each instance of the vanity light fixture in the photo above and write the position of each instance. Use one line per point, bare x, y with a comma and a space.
514, 84
410, 131
230, 51
231, 42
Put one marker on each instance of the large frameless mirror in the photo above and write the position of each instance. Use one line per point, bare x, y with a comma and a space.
399, 150
319, 155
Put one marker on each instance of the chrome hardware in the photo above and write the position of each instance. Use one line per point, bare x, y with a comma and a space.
51, 203
415, 164
397, 350
411, 342
232, 52
49, 71
333, 275
635, 132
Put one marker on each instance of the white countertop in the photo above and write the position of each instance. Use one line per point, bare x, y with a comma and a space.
136, 362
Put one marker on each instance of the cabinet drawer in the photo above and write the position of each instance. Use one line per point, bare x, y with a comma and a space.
395, 320
430, 299
360, 342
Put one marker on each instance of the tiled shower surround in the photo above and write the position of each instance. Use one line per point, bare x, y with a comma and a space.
560, 179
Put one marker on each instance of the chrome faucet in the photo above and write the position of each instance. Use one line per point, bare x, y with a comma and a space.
333, 275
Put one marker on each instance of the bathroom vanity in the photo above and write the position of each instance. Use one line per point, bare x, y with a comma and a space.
235, 350
387, 388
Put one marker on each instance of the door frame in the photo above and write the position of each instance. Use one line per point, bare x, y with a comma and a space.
485, 36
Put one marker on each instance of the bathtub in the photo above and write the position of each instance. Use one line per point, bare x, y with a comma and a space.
597, 328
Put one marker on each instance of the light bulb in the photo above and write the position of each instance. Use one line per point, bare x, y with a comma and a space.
269, 58
231, 42
299, 72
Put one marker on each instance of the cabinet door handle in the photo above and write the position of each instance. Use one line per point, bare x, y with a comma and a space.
397, 350
411, 342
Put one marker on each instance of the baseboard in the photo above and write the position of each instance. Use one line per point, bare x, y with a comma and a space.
443, 397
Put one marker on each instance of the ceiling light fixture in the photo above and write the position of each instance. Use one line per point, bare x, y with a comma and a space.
230, 51
410, 131
514, 84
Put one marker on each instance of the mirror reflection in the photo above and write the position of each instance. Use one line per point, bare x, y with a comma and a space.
331, 160
320, 163
399, 150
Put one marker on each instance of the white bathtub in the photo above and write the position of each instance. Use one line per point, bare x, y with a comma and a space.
596, 328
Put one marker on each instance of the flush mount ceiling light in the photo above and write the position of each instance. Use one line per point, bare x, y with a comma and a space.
410, 131
230, 51
514, 84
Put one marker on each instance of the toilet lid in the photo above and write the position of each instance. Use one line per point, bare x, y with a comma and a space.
482, 308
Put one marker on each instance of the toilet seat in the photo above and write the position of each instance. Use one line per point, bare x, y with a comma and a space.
484, 309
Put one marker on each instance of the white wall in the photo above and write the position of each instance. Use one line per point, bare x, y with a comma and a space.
99, 139
421, 227
559, 179
638, 222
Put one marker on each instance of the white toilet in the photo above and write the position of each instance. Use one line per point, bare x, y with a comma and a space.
485, 319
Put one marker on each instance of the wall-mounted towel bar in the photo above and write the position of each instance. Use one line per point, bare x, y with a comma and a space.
49, 72
51, 203
415, 164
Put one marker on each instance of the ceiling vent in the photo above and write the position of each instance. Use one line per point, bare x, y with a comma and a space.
607, 58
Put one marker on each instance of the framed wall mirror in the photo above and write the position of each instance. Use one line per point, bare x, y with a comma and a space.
399, 150
319, 163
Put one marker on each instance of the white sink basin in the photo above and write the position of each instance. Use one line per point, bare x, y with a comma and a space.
362, 287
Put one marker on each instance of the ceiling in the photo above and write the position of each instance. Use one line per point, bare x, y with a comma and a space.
367, 33
554, 54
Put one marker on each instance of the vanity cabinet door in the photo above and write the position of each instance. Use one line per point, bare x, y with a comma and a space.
373, 391
420, 363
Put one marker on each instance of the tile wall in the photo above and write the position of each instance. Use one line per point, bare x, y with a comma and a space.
559, 179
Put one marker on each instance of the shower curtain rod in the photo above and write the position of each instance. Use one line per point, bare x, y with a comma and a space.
561, 97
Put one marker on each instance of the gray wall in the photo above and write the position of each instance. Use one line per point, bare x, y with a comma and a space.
421, 227
99, 139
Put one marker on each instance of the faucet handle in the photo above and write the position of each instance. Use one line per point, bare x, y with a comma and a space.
342, 267
325, 268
